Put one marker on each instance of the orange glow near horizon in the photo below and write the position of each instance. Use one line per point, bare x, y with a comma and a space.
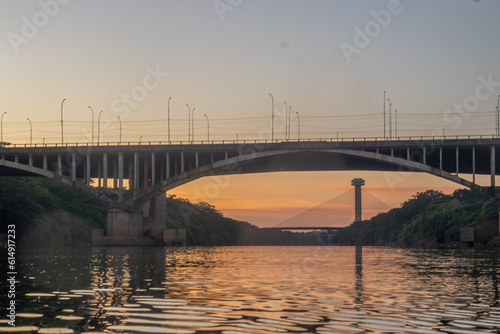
266, 199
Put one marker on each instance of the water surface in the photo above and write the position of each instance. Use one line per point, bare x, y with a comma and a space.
257, 290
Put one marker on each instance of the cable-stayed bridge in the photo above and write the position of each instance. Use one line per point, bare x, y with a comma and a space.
338, 212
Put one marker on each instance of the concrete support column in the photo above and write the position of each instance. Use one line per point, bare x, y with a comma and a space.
407, 154
88, 175
105, 170
73, 167
153, 172
158, 209
16, 160
425, 156
44, 162
99, 173
59, 164
162, 170
492, 166
473, 165
441, 158
136, 171
146, 174
115, 174
161, 209
456, 160
392, 152
120, 170
182, 162
30, 162
131, 174
167, 166
197, 160
357, 183
225, 155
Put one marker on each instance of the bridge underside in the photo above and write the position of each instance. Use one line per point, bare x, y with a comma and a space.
129, 177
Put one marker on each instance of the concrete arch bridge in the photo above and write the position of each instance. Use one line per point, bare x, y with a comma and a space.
133, 179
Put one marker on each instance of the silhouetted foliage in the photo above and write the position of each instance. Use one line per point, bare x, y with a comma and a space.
430, 218
39, 207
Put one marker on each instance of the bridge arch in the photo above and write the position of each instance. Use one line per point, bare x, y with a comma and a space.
249, 163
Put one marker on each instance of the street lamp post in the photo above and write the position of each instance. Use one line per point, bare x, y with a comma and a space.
99, 128
498, 117
384, 116
289, 121
192, 124
31, 132
208, 128
396, 115
1, 130
189, 123
62, 132
298, 126
286, 121
390, 119
272, 118
168, 118
92, 125
120, 129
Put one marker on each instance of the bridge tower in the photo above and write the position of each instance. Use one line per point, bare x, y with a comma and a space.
357, 183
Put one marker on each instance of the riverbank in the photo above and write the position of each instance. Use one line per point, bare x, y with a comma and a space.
49, 214
427, 219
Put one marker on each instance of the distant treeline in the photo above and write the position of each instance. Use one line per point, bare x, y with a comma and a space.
428, 219
206, 226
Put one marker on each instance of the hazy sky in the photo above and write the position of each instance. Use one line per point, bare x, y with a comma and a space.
329, 60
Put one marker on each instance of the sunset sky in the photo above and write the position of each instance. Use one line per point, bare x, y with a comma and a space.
329, 60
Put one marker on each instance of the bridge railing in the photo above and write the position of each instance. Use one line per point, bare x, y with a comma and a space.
245, 141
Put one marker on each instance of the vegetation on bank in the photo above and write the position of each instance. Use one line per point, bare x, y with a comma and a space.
48, 213
429, 218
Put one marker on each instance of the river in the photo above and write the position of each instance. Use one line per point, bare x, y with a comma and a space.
263, 290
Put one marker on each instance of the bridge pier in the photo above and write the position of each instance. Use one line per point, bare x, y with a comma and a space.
124, 223
123, 228
158, 209
128, 225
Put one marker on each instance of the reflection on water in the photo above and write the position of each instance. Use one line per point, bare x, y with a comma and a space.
258, 290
